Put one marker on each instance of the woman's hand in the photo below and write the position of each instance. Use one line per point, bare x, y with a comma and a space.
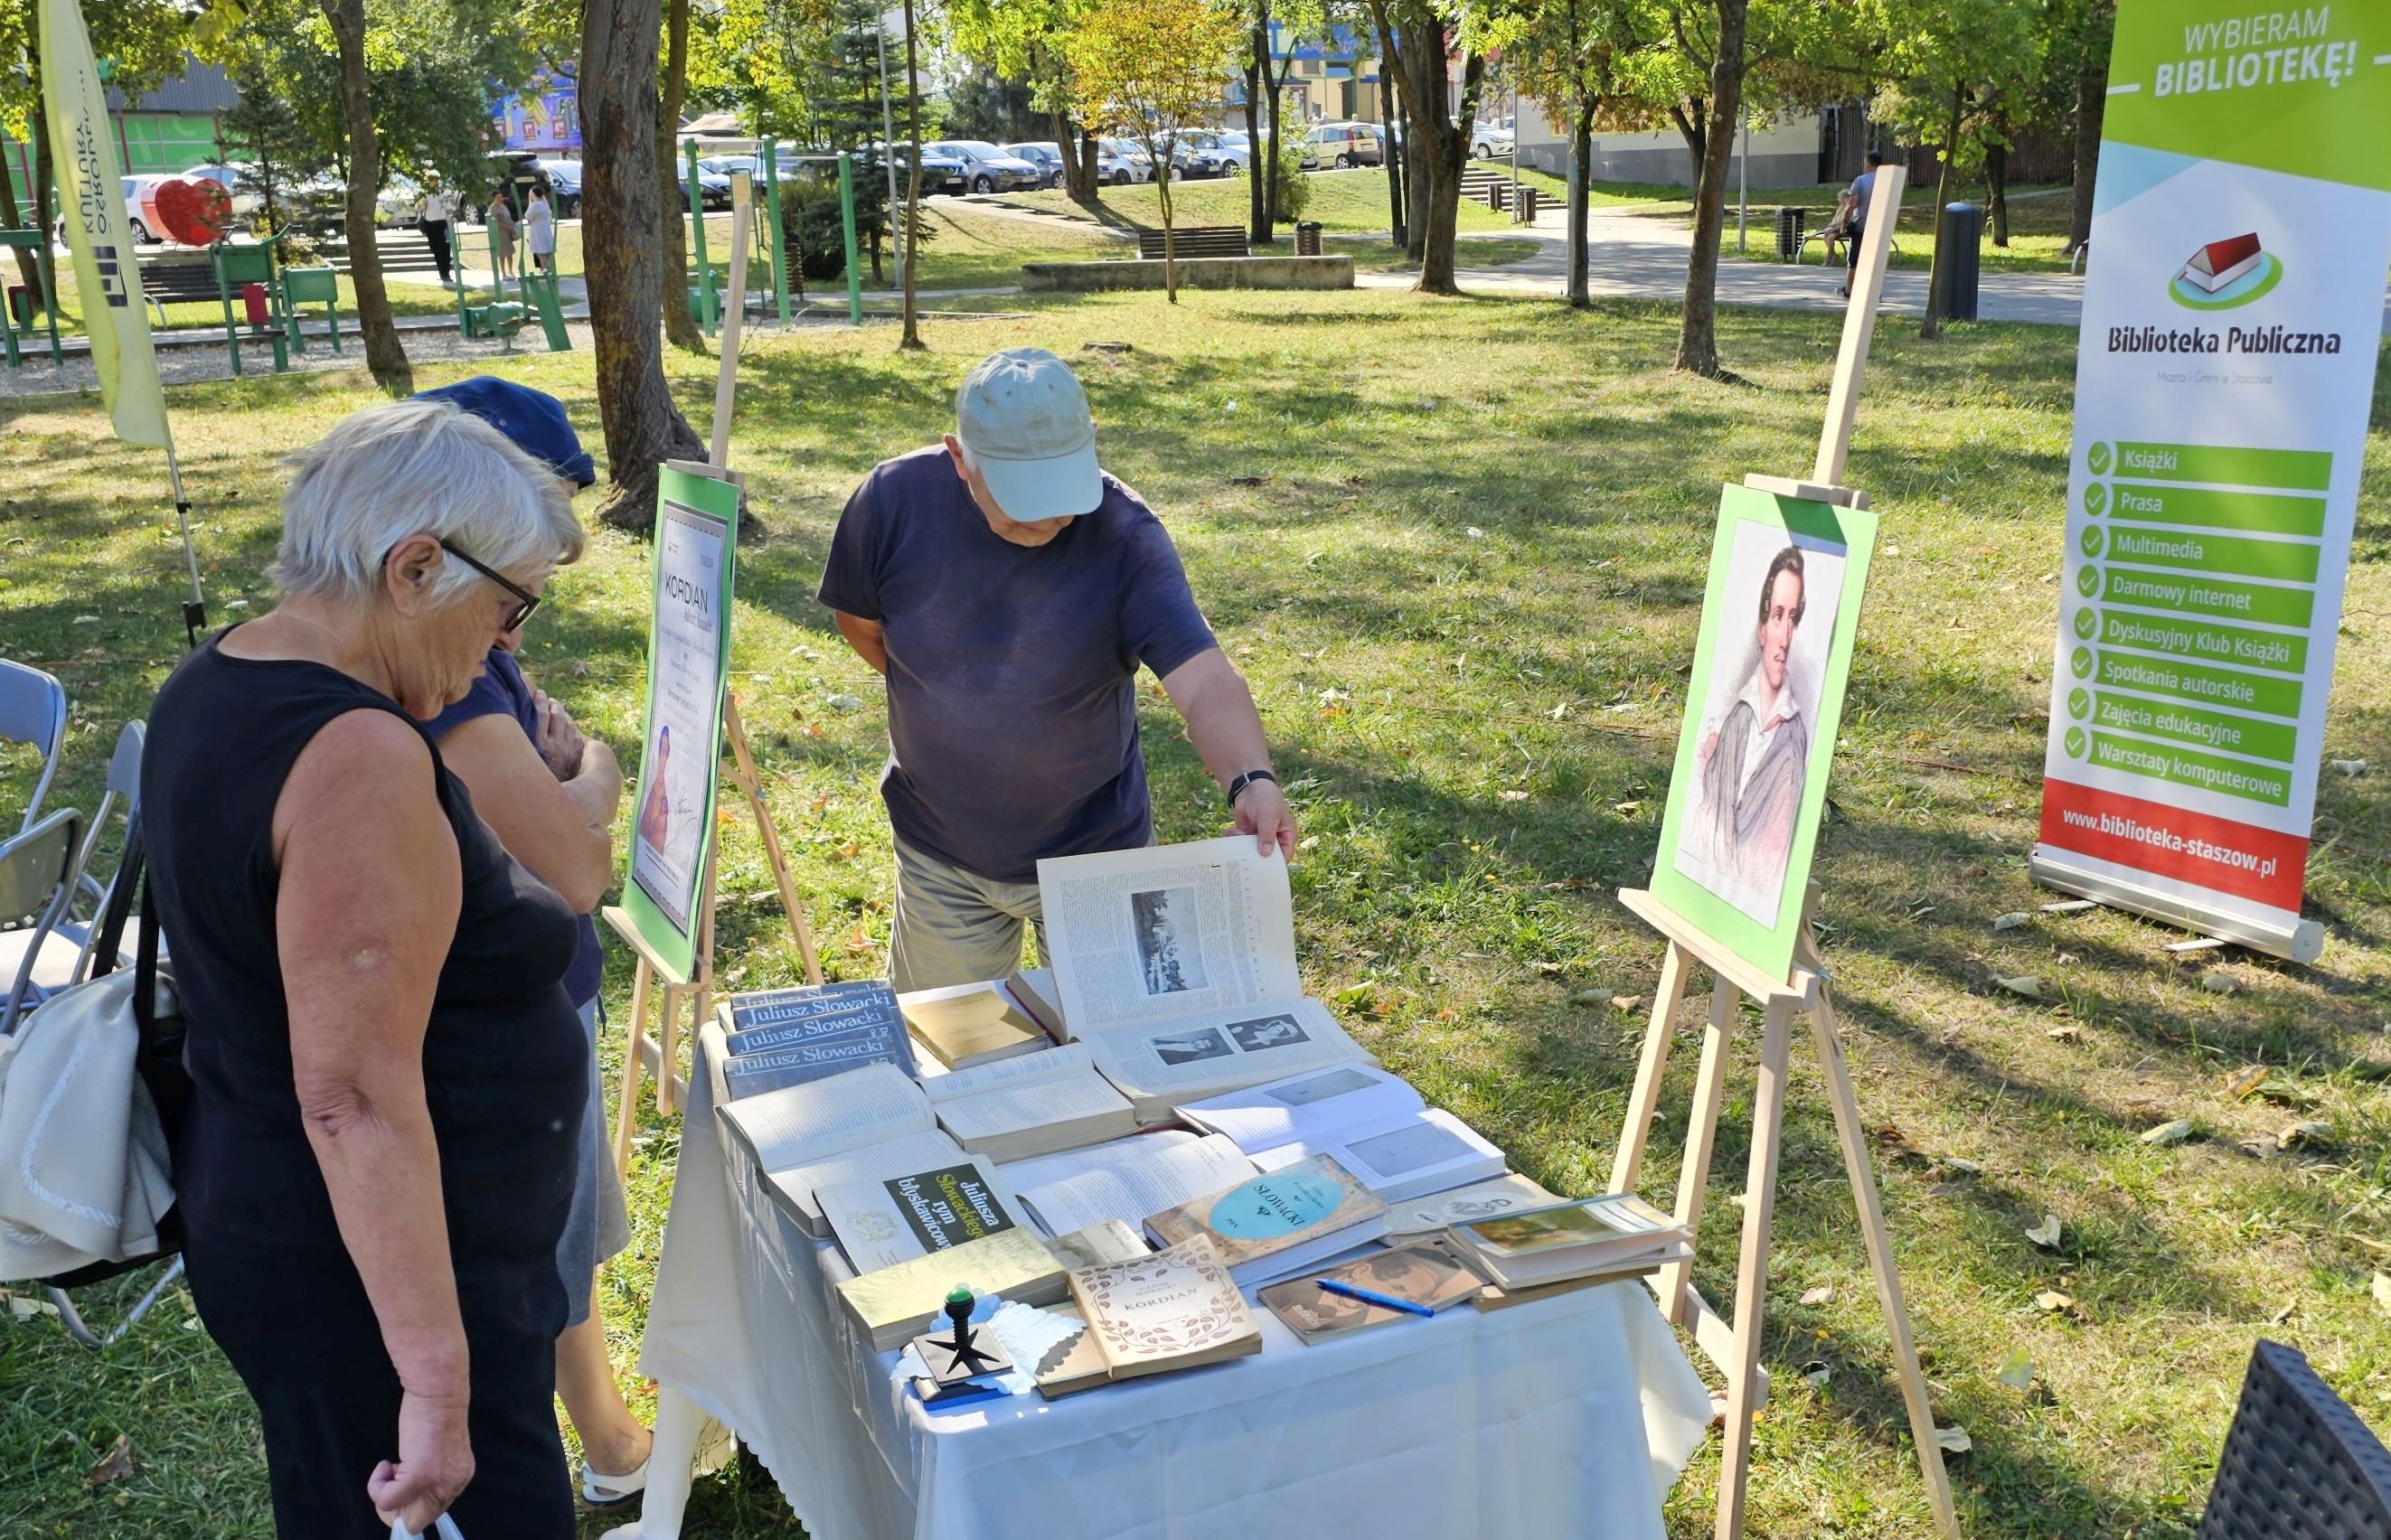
560, 740
435, 1461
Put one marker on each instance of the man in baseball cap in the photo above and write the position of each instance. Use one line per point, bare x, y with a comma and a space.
1009, 591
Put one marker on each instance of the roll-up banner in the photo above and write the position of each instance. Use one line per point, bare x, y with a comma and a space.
2233, 308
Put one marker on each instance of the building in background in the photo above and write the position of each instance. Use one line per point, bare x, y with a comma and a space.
175, 126
1331, 82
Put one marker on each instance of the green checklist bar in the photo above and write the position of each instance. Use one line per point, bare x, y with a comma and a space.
2200, 682
2286, 561
2204, 729
2230, 778
2204, 642
2287, 469
2207, 595
2260, 512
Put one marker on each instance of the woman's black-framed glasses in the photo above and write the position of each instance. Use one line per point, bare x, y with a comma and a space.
527, 601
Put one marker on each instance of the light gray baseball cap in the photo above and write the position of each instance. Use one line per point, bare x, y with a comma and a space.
1024, 417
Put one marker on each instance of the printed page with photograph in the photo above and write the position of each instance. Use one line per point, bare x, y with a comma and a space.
1131, 1190
1401, 1157
1162, 1065
1169, 932
1310, 1105
1488, 1199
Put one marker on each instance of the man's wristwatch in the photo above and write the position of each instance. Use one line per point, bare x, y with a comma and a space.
1238, 786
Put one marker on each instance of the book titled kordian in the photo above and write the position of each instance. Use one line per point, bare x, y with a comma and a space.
2220, 261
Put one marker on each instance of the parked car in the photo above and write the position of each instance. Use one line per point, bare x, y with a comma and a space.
1130, 158
1493, 142
140, 211
988, 169
713, 187
1235, 151
564, 179
235, 179
1343, 144
396, 204
1046, 156
941, 172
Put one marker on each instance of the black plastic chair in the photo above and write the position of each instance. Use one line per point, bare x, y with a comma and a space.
2298, 1464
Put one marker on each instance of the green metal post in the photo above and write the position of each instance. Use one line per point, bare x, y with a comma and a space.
224, 292
780, 237
697, 217
847, 217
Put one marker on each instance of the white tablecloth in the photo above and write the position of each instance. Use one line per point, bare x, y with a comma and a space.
1570, 1417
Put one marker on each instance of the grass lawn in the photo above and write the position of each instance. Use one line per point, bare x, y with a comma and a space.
1460, 547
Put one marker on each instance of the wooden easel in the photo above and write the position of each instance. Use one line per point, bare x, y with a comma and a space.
1735, 1350
659, 1054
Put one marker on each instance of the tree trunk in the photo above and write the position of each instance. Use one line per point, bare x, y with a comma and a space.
1698, 332
1693, 125
1094, 161
1257, 188
2091, 100
672, 245
1580, 186
1443, 142
1390, 111
1997, 190
912, 340
1933, 326
384, 357
1079, 182
619, 256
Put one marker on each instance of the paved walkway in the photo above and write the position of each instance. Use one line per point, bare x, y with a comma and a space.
1637, 257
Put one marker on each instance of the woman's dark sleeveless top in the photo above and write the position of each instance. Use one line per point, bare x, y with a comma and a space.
505, 1060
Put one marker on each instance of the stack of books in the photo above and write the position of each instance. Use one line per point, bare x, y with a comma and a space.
971, 1024
1279, 1224
775, 1038
1573, 1244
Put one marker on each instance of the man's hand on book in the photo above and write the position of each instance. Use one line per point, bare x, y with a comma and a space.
1262, 813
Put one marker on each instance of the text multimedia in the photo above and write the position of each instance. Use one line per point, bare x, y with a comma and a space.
2253, 339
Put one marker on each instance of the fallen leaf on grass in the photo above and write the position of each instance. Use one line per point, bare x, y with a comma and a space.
2240, 1083
1560, 713
2051, 1299
2286, 1093
1515, 795
2168, 1134
1958, 1167
2217, 982
2309, 1130
1953, 1440
844, 703
2011, 921
25, 1308
2351, 767
114, 1466
1817, 1372
1819, 1295
1627, 809
1626, 1002
1592, 996
2382, 1292
2026, 984
2066, 1033
2045, 1235
2016, 1370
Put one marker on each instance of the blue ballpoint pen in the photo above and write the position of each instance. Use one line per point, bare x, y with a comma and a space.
1371, 1297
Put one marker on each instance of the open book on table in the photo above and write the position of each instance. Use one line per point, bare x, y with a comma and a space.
1176, 965
964, 1025
1030, 1104
1373, 1122
1129, 1185
863, 1126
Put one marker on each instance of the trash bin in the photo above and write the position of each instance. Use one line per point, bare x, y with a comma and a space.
1526, 213
1307, 238
1960, 238
1789, 235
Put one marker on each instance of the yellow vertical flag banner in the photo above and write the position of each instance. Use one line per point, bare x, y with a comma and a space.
98, 234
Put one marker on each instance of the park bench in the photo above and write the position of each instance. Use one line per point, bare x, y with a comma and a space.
1200, 240
222, 272
177, 281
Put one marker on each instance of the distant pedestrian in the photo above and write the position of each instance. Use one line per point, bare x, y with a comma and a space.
501, 213
1854, 214
434, 219
539, 231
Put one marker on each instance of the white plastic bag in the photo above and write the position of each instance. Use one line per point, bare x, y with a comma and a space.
445, 1527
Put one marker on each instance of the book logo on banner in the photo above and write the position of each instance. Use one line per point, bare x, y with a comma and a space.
2213, 483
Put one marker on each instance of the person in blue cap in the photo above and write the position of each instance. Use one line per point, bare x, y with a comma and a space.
549, 792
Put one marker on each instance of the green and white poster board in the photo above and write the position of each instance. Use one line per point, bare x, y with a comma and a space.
2232, 316
688, 660
1780, 615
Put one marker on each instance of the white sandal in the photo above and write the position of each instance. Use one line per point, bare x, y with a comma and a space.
601, 1490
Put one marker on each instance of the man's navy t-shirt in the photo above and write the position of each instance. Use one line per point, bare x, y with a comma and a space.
502, 691
1011, 669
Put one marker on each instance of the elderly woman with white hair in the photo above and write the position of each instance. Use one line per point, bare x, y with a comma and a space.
388, 1078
